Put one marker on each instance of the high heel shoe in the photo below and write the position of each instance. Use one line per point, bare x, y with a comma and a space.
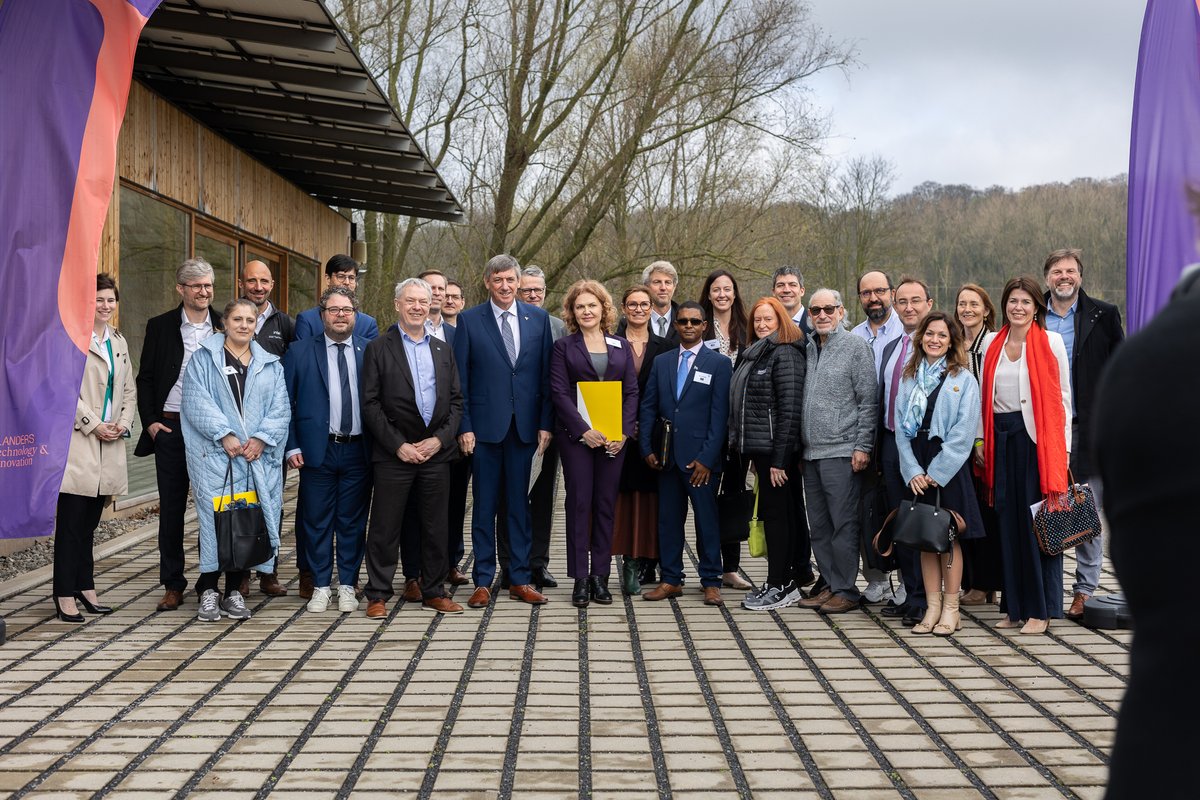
64, 616
92, 608
932, 614
951, 620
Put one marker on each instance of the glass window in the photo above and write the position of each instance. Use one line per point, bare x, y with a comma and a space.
221, 252
302, 284
272, 262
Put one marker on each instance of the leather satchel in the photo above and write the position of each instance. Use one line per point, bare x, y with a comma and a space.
241, 528
921, 526
660, 441
1059, 531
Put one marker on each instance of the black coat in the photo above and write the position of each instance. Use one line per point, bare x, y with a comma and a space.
636, 475
768, 389
159, 368
1098, 331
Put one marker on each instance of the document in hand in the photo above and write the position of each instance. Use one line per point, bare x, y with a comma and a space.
599, 404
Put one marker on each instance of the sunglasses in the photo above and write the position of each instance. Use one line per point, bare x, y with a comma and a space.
687, 322
817, 311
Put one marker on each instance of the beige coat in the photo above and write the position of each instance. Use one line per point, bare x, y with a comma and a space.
96, 468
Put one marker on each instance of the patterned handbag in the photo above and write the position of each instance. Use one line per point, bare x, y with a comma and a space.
1059, 531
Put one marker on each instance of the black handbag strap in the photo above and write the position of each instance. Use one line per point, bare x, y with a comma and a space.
251, 482
932, 401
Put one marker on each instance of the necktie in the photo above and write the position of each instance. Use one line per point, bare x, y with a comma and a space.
347, 424
506, 333
681, 377
662, 327
891, 415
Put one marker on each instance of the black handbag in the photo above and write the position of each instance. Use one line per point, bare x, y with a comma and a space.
1059, 531
242, 538
921, 526
734, 507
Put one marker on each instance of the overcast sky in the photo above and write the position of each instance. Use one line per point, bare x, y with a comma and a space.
984, 92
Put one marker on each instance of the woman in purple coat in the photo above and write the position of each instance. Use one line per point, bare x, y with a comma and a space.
591, 461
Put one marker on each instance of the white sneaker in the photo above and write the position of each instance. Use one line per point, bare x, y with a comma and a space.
320, 599
347, 602
877, 591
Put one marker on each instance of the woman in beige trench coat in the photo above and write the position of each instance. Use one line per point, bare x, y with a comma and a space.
96, 461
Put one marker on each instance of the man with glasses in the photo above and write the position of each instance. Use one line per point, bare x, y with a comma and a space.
340, 270
460, 467
787, 285
688, 390
171, 339
882, 326
453, 302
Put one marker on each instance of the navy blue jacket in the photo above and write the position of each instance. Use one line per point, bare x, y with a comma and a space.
308, 324
306, 374
700, 417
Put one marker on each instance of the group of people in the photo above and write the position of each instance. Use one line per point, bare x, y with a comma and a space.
388, 429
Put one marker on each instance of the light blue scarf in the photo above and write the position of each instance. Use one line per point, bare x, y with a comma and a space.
928, 377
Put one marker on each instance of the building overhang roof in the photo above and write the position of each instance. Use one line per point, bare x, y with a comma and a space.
279, 79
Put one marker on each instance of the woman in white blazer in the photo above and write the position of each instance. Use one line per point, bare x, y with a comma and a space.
1023, 446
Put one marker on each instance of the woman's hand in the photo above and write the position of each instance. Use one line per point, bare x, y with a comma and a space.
979, 455
233, 447
594, 439
778, 477
614, 447
920, 483
253, 449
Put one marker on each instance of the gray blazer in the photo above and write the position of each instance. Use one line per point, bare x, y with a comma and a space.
840, 405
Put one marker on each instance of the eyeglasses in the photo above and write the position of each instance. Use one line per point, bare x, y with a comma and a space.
817, 311
916, 301
199, 288
642, 306
343, 277
688, 322
531, 291
338, 311
867, 294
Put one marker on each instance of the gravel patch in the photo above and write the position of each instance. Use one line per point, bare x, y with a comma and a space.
41, 552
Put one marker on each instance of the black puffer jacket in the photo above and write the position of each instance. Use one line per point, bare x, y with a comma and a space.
767, 392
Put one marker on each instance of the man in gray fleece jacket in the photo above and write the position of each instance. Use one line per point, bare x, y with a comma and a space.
838, 432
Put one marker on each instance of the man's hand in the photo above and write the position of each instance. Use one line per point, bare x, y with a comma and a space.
859, 461
155, 427
253, 449
466, 443
544, 438
979, 455
233, 447
409, 454
428, 447
296, 461
652, 462
701, 474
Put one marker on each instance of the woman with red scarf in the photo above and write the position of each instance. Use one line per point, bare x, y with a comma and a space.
1022, 449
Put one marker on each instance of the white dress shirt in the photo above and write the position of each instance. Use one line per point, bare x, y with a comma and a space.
193, 334
335, 386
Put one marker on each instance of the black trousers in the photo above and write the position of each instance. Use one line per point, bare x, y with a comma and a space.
170, 467
907, 559
397, 486
456, 517
74, 533
802, 568
541, 513
233, 580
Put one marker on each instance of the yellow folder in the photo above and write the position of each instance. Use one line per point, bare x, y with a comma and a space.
599, 404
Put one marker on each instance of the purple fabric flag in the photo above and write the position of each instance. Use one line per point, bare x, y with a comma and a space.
1164, 156
65, 67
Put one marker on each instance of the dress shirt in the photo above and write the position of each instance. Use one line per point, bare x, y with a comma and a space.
655, 317
890, 330
193, 334
513, 322
335, 386
420, 364
695, 351
439, 331
1065, 327
263, 317
892, 364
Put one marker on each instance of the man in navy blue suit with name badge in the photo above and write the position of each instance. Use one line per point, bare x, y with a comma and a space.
688, 390
503, 352
326, 442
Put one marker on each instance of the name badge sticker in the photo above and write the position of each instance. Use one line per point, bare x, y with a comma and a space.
703, 377
611, 342
712, 344
231, 371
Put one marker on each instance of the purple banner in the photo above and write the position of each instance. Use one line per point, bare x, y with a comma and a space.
65, 67
1164, 156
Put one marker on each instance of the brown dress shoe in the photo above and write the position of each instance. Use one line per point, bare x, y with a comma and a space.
244, 586
1076, 609
376, 609
456, 578
171, 600
480, 597
306, 586
662, 592
712, 596
837, 605
526, 594
268, 584
412, 591
442, 605
817, 600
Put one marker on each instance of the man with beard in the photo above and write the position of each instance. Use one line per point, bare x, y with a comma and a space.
1091, 331
882, 326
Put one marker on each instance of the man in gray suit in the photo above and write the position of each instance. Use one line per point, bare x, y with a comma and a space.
532, 290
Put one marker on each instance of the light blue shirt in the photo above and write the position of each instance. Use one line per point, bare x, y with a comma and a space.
498, 313
1065, 327
335, 386
420, 364
892, 329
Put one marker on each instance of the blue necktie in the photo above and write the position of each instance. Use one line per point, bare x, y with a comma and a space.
506, 333
347, 403
681, 377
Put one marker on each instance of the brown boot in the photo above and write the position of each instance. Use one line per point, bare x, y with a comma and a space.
244, 586
306, 586
171, 600
268, 584
1076, 609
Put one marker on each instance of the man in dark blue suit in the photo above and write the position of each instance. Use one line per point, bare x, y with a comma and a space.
326, 442
340, 270
688, 391
503, 352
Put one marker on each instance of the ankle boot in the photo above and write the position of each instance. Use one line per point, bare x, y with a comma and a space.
933, 613
950, 621
629, 576
580, 594
599, 587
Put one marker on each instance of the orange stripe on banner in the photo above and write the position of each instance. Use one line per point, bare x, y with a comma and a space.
97, 168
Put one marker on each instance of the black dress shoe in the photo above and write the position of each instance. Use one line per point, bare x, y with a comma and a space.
913, 615
505, 583
648, 573
580, 595
543, 579
600, 593
63, 616
894, 610
91, 609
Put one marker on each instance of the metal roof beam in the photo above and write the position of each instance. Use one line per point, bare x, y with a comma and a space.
344, 154
222, 27
331, 184
392, 208
212, 64
232, 121
237, 97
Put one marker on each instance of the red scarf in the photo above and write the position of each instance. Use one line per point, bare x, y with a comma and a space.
1049, 417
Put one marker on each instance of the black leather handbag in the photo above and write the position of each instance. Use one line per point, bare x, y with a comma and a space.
921, 526
242, 538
